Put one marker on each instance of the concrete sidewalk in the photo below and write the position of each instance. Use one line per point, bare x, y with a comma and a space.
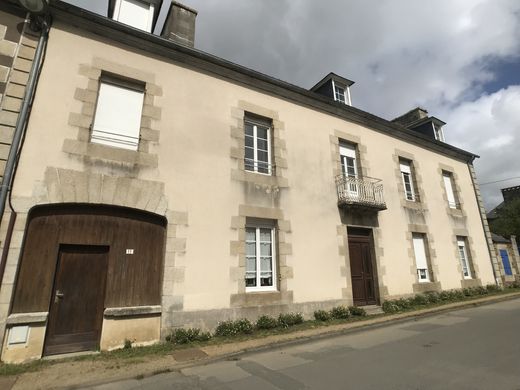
69, 374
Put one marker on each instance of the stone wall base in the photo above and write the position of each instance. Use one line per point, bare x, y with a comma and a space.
208, 319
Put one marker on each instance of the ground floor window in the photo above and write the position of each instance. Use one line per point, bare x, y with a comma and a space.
505, 261
260, 258
464, 259
421, 260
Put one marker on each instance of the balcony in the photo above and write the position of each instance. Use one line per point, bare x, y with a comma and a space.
361, 193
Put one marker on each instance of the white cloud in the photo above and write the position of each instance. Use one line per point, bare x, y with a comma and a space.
401, 53
490, 127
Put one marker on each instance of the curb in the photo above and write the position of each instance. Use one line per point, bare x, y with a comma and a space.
289, 339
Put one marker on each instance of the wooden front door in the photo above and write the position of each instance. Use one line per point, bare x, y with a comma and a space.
76, 309
362, 271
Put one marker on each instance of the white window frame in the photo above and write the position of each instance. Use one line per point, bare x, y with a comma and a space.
464, 259
438, 133
255, 148
258, 256
406, 173
421, 257
348, 153
346, 93
127, 138
447, 177
151, 9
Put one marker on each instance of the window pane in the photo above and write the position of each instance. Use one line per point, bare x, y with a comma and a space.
250, 154
250, 234
250, 141
265, 235
261, 132
262, 156
423, 274
262, 144
266, 279
251, 264
249, 129
351, 166
263, 168
266, 264
265, 249
250, 249
250, 279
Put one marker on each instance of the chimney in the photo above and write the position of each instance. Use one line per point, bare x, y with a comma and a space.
510, 193
179, 26
411, 116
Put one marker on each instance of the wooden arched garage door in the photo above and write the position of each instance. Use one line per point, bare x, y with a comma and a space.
78, 260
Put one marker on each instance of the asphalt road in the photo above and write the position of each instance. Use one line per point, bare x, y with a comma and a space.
476, 348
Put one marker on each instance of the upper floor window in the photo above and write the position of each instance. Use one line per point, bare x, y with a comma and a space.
447, 177
347, 153
135, 13
260, 256
464, 259
258, 145
421, 259
406, 175
117, 121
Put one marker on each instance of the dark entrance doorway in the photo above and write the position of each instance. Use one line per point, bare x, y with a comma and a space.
77, 302
362, 268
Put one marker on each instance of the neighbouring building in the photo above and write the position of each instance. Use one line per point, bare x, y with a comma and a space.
159, 187
507, 249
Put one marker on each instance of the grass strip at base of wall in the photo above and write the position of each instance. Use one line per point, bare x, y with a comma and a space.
134, 354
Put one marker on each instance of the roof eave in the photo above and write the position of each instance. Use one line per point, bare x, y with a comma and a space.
190, 57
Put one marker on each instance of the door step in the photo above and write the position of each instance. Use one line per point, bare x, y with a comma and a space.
373, 309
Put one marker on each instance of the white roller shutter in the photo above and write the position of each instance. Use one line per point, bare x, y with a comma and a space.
449, 190
118, 116
420, 251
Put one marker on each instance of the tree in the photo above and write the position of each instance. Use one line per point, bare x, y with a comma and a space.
507, 222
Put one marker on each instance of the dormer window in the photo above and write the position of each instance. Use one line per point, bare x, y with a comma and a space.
339, 94
335, 87
140, 14
438, 133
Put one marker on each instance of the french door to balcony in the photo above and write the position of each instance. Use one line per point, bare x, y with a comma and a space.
349, 169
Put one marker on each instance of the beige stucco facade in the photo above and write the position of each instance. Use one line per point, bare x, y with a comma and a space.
190, 169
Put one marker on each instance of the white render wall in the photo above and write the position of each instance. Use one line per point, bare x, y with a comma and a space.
194, 161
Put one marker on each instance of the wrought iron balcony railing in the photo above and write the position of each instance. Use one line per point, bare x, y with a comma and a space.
363, 192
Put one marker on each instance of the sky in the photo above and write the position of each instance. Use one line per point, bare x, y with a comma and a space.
459, 59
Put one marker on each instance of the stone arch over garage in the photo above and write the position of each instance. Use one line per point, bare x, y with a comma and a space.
64, 186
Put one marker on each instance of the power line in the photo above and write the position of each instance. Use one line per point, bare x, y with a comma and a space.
498, 181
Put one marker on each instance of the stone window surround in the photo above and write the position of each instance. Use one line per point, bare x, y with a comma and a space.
68, 186
238, 251
431, 255
271, 183
513, 260
418, 204
83, 121
378, 253
475, 272
361, 153
458, 212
